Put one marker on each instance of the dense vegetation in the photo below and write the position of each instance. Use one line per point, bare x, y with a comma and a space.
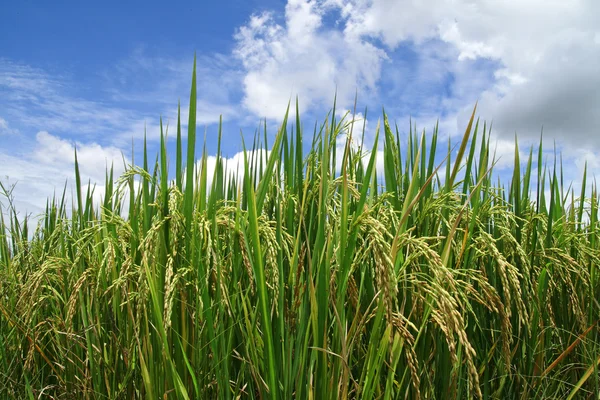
308, 275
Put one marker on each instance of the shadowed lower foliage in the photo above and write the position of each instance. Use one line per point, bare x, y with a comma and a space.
308, 275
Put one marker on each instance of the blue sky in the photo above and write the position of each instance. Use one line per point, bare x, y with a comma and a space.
96, 75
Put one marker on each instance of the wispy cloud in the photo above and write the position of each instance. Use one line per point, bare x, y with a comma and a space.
129, 103
143, 79
41, 101
5, 128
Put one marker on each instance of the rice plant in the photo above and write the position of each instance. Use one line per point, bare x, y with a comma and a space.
308, 273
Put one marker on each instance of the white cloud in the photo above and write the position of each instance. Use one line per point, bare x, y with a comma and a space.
49, 165
39, 100
5, 129
503, 151
218, 82
92, 158
548, 51
233, 167
303, 57
546, 55
118, 112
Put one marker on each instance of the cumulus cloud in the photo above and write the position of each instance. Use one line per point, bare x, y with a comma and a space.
45, 169
304, 57
233, 167
548, 55
544, 59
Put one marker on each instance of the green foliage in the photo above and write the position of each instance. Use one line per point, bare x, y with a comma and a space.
307, 276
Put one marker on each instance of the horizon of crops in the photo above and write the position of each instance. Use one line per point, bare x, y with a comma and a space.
308, 275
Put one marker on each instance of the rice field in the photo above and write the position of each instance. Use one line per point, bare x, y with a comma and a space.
319, 274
